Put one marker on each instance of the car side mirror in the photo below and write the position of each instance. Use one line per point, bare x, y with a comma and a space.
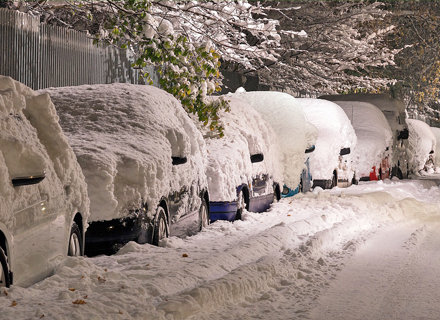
179, 160
403, 135
344, 151
28, 180
311, 149
257, 157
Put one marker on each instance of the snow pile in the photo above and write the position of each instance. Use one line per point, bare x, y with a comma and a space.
421, 142
229, 164
294, 133
436, 132
373, 134
124, 137
31, 143
335, 133
276, 263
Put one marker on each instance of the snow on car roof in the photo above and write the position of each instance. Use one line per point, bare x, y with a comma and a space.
32, 142
421, 142
335, 133
373, 133
245, 134
124, 137
286, 116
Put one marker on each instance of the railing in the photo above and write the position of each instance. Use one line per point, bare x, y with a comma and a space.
42, 56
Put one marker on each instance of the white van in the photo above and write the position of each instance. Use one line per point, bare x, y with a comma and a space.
394, 111
43, 195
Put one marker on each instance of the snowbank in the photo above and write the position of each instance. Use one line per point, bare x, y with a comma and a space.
335, 133
229, 164
294, 133
124, 137
373, 134
32, 142
421, 142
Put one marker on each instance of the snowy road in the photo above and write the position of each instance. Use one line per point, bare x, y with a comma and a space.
367, 252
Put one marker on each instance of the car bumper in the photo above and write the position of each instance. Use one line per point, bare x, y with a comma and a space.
107, 237
223, 210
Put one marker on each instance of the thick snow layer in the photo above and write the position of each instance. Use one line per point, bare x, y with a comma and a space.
31, 143
281, 264
335, 132
295, 134
229, 164
421, 142
373, 134
124, 137
436, 132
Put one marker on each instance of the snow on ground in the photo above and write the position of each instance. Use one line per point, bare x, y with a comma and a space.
436, 132
288, 263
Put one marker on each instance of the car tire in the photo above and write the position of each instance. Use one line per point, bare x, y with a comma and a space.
75, 241
334, 181
5, 280
241, 204
160, 226
204, 215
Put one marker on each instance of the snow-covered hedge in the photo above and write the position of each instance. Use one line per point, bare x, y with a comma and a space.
294, 133
229, 164
32, 142
124, 137
335, 133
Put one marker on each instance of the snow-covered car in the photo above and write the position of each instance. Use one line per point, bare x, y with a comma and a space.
421, 145
43, 194
374, 139
436, 132
296, 136
394, 111
332, 163
143, 159
244, 170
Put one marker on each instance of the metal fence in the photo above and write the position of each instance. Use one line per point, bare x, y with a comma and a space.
43, 56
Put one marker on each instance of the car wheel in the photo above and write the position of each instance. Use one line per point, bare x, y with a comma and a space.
5, 280
75, 241
204, 215
334, 180
160, 226
241, 204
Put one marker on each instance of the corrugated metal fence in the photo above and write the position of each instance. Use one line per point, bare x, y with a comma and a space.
43, 56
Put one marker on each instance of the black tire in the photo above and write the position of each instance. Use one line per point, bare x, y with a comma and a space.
203, 215
75, 242
241, 204
160, 226
334, 181
5, 279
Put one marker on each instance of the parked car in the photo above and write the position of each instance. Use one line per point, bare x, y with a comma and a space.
143, 159
394, 111
374, 139
43, 194
422, 145
295, 135
436, 132
332, 163
244, 169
